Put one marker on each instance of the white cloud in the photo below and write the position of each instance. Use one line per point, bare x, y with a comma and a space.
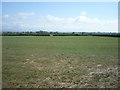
18, 16
53, 18
5, 16
33, 22
25, 15
83, 13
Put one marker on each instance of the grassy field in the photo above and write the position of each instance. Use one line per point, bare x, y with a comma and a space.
59, 62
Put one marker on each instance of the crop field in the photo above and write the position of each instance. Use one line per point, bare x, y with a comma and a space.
59, 62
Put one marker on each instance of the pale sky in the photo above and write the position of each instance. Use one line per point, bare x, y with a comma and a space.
60, 16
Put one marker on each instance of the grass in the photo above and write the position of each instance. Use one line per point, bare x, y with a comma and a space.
59, 61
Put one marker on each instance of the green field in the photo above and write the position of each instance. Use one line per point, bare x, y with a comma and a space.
59, 61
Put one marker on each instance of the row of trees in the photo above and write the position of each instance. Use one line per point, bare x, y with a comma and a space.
45, 33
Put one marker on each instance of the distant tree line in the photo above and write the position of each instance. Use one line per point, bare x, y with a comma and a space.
45, 33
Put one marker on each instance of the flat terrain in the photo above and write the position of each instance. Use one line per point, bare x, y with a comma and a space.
59, 61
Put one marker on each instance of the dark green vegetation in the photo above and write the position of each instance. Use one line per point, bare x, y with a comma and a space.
44, 33
59, 61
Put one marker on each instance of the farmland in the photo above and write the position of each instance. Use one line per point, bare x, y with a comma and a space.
59, 62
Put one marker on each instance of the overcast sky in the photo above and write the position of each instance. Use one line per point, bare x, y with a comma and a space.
60, 16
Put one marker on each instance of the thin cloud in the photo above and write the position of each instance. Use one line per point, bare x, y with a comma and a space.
33, 22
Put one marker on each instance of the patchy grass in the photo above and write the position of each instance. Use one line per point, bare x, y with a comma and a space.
59, 61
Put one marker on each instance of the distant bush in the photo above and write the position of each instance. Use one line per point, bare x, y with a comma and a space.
45, 33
